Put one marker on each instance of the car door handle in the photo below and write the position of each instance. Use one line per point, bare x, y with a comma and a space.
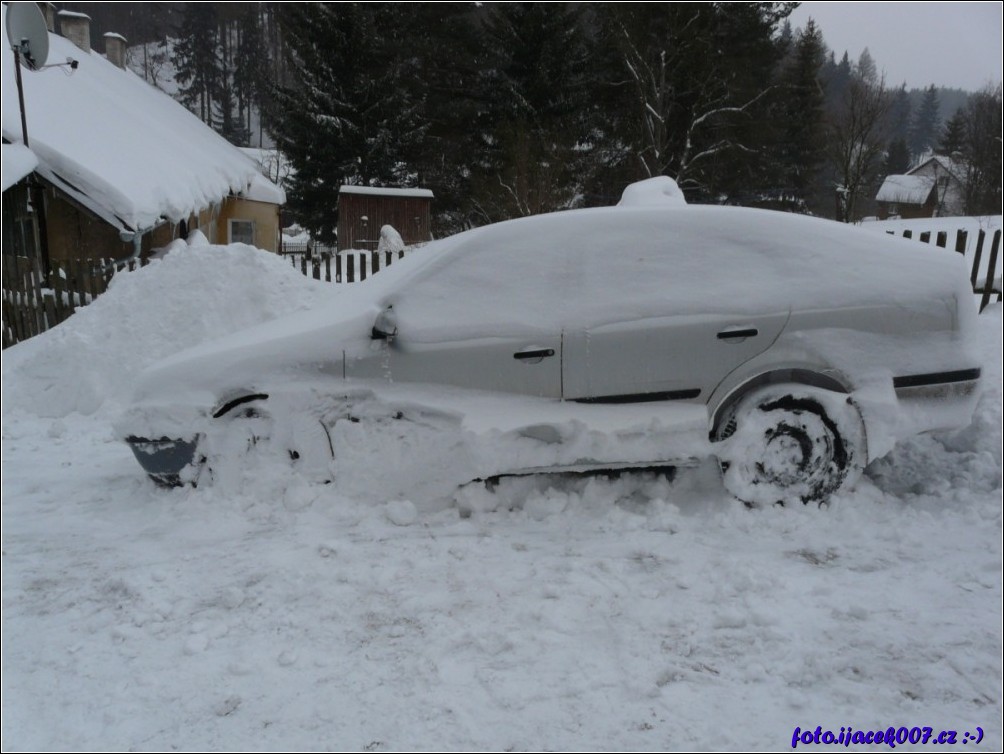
738, 334
534, 355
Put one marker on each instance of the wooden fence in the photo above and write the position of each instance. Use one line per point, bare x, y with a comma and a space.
984, 279
34, 302
350, 266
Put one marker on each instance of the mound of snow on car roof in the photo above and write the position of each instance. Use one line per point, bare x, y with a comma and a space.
191, 295
660, 191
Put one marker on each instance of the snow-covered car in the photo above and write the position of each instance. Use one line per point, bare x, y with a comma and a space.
793, 349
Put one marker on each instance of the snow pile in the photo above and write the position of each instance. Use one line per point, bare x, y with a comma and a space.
661, 191
390, 240
193, 294
951, 466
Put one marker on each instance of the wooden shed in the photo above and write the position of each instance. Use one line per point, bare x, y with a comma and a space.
364, 210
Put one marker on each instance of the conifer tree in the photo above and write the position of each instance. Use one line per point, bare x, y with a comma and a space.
897, 159
953, 135
353, 114
196, 58
691, 85
802, 147
899, 114
924, 132
532, 125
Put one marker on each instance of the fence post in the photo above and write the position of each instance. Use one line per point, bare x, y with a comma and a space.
976, 258
36, 277
960, 241
942, 239
925, 237
988, 283
907, 234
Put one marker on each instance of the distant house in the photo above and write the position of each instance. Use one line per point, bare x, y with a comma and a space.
119, 168
934, 188
950, 177
364, 210
906, 196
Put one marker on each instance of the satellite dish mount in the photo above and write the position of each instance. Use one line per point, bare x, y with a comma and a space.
29, 40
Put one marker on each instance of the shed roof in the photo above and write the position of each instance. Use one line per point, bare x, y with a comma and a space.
417, 193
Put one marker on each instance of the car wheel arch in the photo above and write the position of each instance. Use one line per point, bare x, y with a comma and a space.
241, 398
824, 379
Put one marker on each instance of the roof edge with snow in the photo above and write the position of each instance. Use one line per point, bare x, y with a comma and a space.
415, 193
906, 189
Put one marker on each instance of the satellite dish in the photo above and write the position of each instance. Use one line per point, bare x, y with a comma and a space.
27, 33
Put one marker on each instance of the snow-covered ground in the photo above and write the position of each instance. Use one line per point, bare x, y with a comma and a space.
618, 614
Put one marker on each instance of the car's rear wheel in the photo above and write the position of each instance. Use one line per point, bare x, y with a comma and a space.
789, 443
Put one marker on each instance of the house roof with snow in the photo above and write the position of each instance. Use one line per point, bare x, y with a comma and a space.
18, 161
413, 193
955, 168
906, 189
121, 148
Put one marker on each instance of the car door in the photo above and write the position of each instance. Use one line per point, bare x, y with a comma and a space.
664, 313
673, 357
527, 364
474, 321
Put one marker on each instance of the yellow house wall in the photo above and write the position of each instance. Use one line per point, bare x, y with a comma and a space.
264, 216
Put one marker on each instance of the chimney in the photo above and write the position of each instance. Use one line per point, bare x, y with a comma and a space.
76, 27
115, 49
49, 11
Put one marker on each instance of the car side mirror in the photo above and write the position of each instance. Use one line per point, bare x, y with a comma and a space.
385, 327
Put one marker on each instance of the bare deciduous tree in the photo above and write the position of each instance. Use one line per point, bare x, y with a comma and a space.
688, 96
982, 151
857, 135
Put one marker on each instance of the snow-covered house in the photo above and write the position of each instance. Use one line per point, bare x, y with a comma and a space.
906, 196
364, 210
934, 188
950, 178
118, 167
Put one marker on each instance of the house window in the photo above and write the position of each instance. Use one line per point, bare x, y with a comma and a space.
241, 231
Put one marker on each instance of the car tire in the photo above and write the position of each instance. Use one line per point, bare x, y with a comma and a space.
787, 443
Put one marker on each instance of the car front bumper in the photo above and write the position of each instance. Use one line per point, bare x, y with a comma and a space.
169, 462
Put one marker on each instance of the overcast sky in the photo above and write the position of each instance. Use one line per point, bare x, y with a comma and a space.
952, 44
